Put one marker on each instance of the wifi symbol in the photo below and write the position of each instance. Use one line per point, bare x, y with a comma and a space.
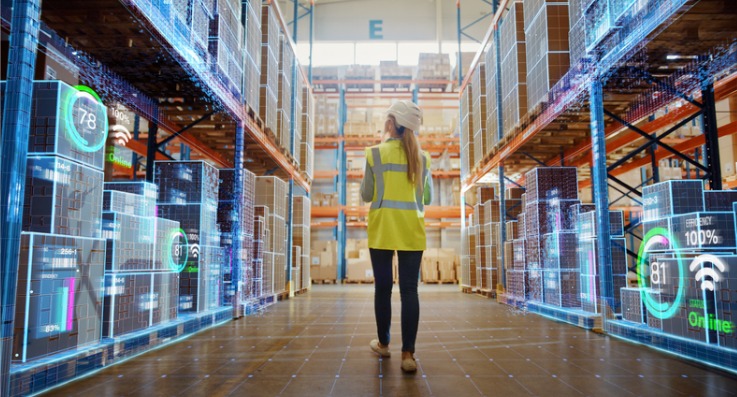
707, 271
195, 250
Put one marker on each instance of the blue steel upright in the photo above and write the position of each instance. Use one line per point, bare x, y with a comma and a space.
342, 177
16, 126
502, 227
601, 199
460, 33
292, 131
500, 135
237, 196
134, 155
152, 146
711, 130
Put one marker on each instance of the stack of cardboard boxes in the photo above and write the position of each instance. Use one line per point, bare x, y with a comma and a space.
269, 87
326, 116
360, 77
323, 261
433, 66
439, 265
391, 71
324, 199
358, 264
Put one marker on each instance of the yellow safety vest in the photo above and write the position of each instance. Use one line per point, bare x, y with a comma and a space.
396, 220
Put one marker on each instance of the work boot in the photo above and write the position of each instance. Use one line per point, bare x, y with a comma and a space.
380, 349
409, 364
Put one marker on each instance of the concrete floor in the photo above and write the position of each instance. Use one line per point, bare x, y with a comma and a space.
317, 345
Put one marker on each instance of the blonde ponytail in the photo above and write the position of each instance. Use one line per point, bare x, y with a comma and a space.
414, 158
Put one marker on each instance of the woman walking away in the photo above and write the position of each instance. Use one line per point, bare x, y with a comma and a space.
398, 184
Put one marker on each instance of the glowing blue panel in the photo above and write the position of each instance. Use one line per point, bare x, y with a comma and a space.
186, 182
559, 251
671, 198
561, 288
62, 197
127, 303
632, 308
551, 183
189, 195
130, 242
67, 122
59, 294
144, 202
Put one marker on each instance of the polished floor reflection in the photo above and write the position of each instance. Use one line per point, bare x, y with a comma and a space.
317, 345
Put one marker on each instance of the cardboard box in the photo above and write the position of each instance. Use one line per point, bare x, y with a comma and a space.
359, 270
438, 264
429, 270
328, 272
447, 271
316, 272
326, 259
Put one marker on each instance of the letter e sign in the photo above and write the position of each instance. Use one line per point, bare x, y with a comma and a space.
375, 29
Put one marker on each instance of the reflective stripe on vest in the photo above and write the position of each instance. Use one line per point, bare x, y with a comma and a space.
379, 168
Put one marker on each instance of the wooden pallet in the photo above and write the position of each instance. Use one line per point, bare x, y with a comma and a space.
487, 293
467, 290
324, 281
253, 114
269, 133
440, 281
359, 281
300, 292
282, 296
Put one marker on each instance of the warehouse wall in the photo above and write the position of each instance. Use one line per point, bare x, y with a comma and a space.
406, 20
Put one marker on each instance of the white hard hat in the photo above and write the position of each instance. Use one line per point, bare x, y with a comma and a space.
407, 114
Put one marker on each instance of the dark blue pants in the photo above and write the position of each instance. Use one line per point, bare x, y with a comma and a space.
409, 274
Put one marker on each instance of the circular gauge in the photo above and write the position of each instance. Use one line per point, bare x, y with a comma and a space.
178, 250
86, 119
660, 273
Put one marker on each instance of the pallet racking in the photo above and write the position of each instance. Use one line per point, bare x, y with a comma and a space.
635, 81
184, 75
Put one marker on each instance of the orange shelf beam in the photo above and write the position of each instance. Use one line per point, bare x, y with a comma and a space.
325, 174
140, 148
324, 212
323, 225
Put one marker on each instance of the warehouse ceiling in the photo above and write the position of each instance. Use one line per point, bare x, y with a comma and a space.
389, 20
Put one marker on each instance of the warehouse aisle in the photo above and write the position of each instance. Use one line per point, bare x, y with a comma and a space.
317, 345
